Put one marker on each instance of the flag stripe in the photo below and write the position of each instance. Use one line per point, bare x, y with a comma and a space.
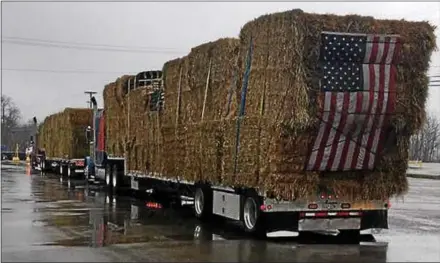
377, 119
326, 162
365, 118
331, 114
380, 49
386, 50
337, 146
390, 105
355, 104
325, 116
364, 99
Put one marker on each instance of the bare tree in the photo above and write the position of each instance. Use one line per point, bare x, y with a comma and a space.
11, 117
425, 145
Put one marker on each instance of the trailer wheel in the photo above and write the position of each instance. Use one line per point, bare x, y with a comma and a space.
203, 203
253, 219
115, 178
108, 174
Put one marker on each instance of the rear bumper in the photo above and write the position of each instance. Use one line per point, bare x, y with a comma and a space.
292, 221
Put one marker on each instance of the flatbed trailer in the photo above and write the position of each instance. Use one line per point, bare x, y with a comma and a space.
72, 168
259, 214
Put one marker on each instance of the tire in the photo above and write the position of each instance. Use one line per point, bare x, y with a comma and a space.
115, 179
203, 203
252, 218
108, 176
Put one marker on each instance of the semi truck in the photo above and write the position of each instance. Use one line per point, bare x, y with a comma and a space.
259, 214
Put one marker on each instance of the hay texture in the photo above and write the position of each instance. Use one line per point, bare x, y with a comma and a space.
195, 85
281, 121
185, 81
116, 116
131, 129
63, 134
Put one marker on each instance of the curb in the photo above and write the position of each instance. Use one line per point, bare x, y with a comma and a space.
424, 176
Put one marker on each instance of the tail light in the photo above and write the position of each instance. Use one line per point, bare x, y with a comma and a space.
153, 205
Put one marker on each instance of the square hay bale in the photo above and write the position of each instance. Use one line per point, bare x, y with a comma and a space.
191, 72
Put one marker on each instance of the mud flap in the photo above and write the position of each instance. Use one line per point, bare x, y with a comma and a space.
374, 219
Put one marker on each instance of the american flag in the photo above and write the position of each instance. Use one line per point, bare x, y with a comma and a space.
357, 94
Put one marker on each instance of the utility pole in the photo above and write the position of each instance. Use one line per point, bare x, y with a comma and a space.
91, 93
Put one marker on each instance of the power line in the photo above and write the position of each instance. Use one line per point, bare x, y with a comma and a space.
54, 45
66, 71
83, 44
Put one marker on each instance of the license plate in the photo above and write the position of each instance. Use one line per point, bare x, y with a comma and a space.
134, 212
134, 184
326, 224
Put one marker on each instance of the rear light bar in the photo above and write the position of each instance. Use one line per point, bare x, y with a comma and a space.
153, 205
330, 214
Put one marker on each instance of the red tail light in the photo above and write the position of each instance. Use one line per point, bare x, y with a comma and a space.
153, 205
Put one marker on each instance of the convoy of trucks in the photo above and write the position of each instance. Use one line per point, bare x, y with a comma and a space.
318, 142
258, 213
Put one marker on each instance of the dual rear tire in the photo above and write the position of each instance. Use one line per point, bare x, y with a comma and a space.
112, 178
252, 218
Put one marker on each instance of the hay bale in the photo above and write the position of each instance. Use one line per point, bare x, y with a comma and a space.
63, 134
191, 72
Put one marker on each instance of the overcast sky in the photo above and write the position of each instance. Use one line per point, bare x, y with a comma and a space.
153, 32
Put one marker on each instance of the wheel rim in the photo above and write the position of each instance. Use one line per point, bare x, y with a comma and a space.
199, 202
250, 213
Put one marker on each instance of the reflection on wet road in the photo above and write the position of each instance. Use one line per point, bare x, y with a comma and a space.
47, 219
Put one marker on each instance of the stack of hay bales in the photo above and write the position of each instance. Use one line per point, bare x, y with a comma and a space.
280, 123
199, 82
63, 134
286, 53
115, 116
131, 128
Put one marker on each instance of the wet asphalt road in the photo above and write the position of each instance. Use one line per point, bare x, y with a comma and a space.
46, 219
